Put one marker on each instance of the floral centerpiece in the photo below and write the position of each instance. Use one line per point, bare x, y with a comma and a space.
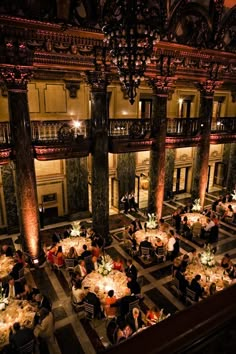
151, 223
75, 229
3, 300
105, 266
197, 205
234, 195
207, 257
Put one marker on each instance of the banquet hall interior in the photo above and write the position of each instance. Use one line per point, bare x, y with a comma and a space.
117, 176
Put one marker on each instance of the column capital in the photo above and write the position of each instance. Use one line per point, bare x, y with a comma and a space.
16, 78
97, 80
207, 88
162, 86
73, 87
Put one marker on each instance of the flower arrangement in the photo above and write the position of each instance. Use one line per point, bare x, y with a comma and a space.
207, 257
151, 223
75, 229
105, 266
3, 300
197, 205
234, 195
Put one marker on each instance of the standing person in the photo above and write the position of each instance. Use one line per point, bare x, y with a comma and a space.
44, 330
41, 215
131, 270
125, 200
132, 202
19, 336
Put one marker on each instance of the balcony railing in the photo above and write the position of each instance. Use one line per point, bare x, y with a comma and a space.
59, 131
183, 126
135, 128
224, 125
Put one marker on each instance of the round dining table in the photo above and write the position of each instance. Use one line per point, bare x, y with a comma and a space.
193, 217
6, 265
152, 235
77, 242
15, 311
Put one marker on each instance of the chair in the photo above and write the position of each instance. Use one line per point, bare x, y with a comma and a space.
21, 275
89, 311
145, 252
133, 304
27, 348
77, 307
191, 296
55, 262
160, 254
69, 264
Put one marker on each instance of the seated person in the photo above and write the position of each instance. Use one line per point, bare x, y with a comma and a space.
134, 319
86, 252
51, 252
118, 264
206, 230
7, 250
43, 302
109, 300
188, 208
196, 228
226, 262
95, 249
93, 299
163, 226
13, 290
56, 237
193, 257
15, 270
81, 269
83, 231
19, 336
228, 215
232, 272
67, 231
152, 315
212, 289
123, 303
60, 256
30, 292
93, 265
124, 331
185, 261
145, 243
134, 286
196, 286
158, 244
19, 257
78, 293
72, 254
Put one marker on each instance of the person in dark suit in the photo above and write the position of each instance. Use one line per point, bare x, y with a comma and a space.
145, 243
43, 302
183, 283
7, 250
123, 303
134, 319
13, 289
92, 298
19, 336
137, 224
86, 252
196, 287
131, 270
15, 270
134, 286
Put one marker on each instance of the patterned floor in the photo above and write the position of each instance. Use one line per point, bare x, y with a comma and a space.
73, 334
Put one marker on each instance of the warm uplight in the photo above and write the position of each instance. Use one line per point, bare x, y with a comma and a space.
76, 124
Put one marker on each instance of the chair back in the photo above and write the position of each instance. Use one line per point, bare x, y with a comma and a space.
27, 348
161, 251
133, 304
89, 310
69, 263
88, 259
192, 295
145, 251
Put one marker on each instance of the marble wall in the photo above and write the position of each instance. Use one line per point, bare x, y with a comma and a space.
126, 166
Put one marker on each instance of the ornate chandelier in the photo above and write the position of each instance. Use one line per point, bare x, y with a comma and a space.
130, 34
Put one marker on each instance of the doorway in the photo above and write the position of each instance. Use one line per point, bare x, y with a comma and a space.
219, 173
180, 179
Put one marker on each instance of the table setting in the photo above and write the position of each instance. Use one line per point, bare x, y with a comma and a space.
152, 235
75, 241
6, 265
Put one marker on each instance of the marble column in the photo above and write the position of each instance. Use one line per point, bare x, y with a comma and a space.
200, 170
126, 168
161, 88
231, 170
169, 167
9, 192
100, 176
16, 80
77, 184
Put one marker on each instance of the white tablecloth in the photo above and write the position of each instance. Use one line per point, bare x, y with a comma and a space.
6, 265
193, 217
76, 242
152, 236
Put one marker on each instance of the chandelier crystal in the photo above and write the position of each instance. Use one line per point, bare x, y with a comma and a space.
130, 34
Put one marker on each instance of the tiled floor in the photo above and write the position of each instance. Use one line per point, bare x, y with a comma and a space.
76, 336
